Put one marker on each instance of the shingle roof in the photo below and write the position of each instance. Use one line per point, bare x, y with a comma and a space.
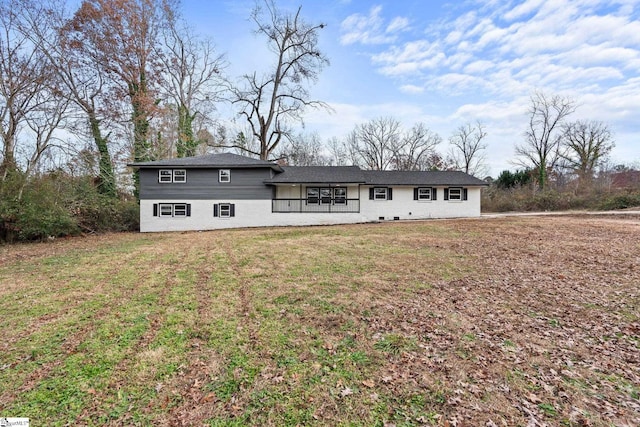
421, 178
355, 175
209, 160
319, 175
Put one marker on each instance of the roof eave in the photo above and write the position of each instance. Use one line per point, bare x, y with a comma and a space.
315, 182
274, 167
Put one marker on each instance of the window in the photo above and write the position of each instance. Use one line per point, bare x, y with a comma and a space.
313, 195
425, 193
166, 176
179, 175
455, 194
171, 210
166, 210
325, 196
380, 193
224, 210
180, 210
224, 175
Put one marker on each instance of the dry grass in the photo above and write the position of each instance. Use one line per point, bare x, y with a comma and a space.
504, 321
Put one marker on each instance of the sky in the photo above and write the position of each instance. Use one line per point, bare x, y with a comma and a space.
448, 63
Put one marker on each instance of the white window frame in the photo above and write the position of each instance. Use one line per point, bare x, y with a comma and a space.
168, 176
380, 193
313, 196
165, 176
180, 210
180, 176
453, 190
340, 199
165, 210
424, 194
224, 175
224, 210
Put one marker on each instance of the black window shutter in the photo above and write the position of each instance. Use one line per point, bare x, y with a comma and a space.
415, 194
464, 194
215, 210
389, 193
434, 193
155, 209
371, 193
232, 210
188, 209
446, 194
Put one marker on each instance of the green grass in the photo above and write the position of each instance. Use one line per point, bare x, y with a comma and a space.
349, 326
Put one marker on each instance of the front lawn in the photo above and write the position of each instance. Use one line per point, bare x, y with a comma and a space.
504, 321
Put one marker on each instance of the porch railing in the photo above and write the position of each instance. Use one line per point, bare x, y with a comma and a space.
304, 205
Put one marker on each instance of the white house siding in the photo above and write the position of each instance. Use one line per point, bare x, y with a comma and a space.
248, 213
257, 213
403, 206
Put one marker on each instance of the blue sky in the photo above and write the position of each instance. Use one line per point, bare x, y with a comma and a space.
445, 63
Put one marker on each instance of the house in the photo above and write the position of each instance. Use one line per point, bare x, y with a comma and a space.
230, 191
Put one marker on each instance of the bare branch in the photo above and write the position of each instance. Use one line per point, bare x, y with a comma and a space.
543, 136
467, 145
273, 102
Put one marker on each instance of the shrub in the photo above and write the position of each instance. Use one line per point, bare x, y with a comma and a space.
620, 201
57, 204
33, 211
522, 199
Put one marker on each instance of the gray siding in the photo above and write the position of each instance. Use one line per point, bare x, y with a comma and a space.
202, 184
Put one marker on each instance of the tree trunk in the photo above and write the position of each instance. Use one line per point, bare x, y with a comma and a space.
187, 144
107, 180
8, 164
141, 146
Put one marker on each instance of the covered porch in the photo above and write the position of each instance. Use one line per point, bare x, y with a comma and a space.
314, 198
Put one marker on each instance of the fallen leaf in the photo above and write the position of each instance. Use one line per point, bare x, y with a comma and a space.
369, 383
209, 397
346, 392
533, 398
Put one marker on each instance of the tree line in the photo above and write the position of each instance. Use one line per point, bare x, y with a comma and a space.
84, 91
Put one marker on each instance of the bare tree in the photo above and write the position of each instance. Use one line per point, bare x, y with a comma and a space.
382, 144
542, 138
374, 142
304, 150
338, 153
122, 36
414, 148
192, 80
587, 145
81, 79
32, 106
22, 77
467, 145
273, 102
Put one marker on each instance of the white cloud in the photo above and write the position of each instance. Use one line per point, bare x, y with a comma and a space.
479, 66
523, 9
370, 29
398, 24
412, 89
412, 57
492, 57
